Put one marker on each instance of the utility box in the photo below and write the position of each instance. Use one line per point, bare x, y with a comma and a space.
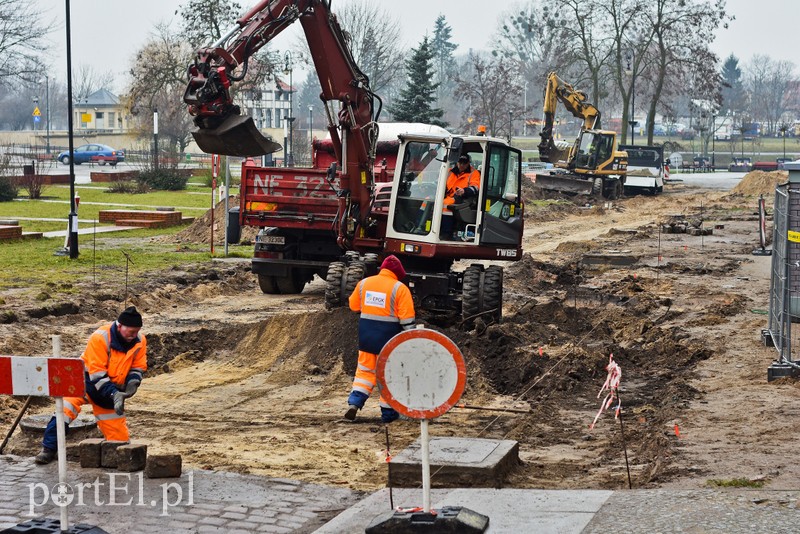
234, 233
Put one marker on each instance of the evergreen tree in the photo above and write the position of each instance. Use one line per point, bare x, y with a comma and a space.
733, 94
443, 57
414, 104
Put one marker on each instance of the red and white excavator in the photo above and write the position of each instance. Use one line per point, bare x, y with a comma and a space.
339, 221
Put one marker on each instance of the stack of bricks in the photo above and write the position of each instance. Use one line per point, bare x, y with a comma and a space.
10, 232
143, 219
129, 457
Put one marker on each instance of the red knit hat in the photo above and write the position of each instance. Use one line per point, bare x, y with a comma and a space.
393, 264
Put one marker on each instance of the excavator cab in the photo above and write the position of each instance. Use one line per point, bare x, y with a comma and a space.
418, 211
594, 149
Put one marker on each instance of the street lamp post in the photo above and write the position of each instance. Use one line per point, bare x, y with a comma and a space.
510, 125
287, 58
631, 60
783, 133
713, 139
525, 110
155, 139
47, 111
73, 214
311, 134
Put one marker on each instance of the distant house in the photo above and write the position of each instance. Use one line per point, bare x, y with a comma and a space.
101, 112
268, 106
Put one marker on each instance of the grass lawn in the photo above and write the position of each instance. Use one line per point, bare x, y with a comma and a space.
31, 264
54, 204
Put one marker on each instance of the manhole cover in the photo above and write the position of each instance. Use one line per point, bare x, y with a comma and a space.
37, 423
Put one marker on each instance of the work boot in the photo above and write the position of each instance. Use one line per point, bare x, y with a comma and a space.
45, 457
350, 414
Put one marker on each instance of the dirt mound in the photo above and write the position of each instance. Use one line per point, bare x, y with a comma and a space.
200, 230
760, 182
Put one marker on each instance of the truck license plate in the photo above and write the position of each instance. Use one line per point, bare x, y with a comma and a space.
272, 239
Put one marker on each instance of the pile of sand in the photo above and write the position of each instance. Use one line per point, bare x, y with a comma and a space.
760, 182
200, 230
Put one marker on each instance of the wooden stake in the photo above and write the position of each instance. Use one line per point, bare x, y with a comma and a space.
16, 422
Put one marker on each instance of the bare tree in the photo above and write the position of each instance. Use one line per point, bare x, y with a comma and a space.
158, 81
374, 39
206, 21
490, 88
681, 33
86, 81
770, 85
23, 32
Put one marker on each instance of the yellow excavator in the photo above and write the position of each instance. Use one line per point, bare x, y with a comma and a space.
592, 164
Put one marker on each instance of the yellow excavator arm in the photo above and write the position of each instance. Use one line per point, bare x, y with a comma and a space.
575, 101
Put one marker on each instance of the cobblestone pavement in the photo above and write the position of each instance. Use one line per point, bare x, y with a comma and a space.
200, 501
729, 511
206, 501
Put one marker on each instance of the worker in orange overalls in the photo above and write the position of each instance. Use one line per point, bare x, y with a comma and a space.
462, 183
386, 309
114, 363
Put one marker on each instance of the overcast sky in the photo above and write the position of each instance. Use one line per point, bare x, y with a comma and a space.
107, 33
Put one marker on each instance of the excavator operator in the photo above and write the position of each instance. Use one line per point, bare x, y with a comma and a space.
462, 184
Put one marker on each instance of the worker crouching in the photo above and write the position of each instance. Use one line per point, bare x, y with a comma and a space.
114, 363
387, 309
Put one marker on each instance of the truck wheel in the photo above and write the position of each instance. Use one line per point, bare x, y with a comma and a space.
612, 190
493, 292
352, 276
267, 284
471, 293
333, 285
291, 284
597, 187
372, 263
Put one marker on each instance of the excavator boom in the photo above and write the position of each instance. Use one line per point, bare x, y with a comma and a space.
575, 101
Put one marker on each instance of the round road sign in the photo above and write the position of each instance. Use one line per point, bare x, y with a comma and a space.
422, 373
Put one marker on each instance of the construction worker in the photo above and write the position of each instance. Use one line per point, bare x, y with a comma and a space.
386, 309
114, 363
462, 183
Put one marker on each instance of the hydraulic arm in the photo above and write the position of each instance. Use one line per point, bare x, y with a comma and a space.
575, 101
353, 126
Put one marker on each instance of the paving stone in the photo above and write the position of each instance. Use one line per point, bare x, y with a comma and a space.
90, 452
212, 521
243, 525
108, 453
163, 466
262, 519
236, 508
233, 515
132, 457
211, 529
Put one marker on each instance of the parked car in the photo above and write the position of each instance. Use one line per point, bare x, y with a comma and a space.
93, 153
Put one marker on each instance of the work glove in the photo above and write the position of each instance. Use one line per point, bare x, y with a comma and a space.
119, 402
130, 389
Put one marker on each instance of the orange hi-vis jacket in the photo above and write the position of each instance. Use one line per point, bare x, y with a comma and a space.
469, 178
109, 367
386, 309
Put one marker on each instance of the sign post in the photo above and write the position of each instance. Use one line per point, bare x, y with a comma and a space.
46, 377
423, 375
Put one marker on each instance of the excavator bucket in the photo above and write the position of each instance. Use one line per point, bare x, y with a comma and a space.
563, 182
235, 136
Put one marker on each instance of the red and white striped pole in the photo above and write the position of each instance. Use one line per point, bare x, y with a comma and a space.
46, 377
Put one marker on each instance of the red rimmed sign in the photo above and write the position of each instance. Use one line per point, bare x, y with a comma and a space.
422, 373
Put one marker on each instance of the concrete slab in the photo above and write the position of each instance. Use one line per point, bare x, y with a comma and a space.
509, 510
456, 462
